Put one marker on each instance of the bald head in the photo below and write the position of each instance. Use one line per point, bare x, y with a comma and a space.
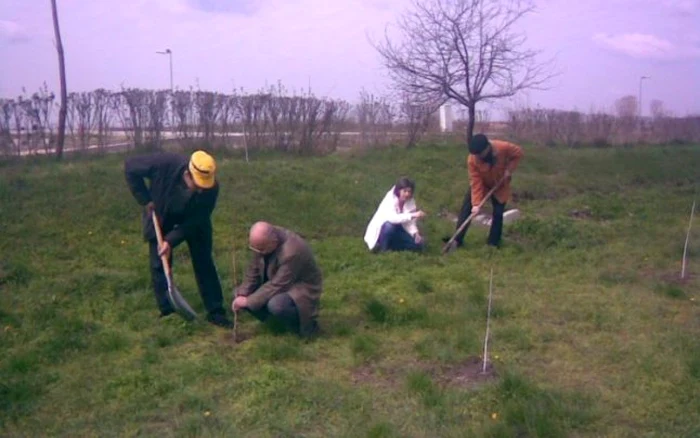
263, 238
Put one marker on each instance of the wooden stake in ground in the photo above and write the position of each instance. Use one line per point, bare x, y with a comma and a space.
687, 237
488, 321
235, 284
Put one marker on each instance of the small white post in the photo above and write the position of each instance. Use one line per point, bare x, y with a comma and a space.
488, 320
687, 237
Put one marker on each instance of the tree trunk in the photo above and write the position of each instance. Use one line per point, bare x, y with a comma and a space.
471, 108
62, 71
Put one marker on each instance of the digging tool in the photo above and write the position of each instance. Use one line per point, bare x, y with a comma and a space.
176, 299
471, 216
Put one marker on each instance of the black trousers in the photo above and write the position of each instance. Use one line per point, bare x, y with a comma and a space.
282, 308
200, 246
496, 223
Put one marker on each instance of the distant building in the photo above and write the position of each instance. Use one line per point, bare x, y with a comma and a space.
446, 118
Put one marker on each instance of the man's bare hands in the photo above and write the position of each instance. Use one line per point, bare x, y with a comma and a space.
240, 302
164, 250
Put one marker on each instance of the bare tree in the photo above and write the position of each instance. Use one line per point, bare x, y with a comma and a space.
227, 115
599, 128
208, 107
310, 113
156, 103
626, 107
274, 113
657, 109
19, 117
102, 114
465, 50
6, 143
416, 116
80, 117
62, 72
627, 110
134, 113
182, 107
375, 116
334, 118
290, 108
38, 110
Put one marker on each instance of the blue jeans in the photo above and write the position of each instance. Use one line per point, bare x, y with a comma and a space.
393, 237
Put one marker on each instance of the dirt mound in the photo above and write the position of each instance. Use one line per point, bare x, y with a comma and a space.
466, 374
583, 213
227, 338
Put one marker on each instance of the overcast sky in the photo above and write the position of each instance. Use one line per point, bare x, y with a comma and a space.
602, 47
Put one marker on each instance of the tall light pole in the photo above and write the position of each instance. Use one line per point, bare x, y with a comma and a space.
640, 94
170, 55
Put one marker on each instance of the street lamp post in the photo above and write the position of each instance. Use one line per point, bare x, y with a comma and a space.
640, 94
170, 55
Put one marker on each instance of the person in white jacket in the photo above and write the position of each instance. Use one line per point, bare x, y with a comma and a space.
394, 225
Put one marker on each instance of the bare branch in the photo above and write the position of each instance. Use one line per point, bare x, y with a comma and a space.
463, 50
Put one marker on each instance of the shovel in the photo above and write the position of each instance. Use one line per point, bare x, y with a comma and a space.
176, 299
447, 246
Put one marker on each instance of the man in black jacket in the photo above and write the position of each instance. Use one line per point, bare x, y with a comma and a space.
183, 194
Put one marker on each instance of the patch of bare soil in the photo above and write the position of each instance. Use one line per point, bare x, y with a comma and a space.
583, 213
467, 374
228, 338
370, 374
527, 195
672, 278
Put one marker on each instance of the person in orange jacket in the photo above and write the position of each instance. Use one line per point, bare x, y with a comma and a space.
488, 162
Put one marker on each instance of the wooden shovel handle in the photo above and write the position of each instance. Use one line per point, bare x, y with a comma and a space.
471, 216
159, 237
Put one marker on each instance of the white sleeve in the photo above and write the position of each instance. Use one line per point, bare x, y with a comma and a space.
411, 225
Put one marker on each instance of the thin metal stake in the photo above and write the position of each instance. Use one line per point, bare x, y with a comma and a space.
235, 326
488, 320
687, 237
235, 283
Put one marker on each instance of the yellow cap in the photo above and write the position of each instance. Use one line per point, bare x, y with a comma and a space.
202, 167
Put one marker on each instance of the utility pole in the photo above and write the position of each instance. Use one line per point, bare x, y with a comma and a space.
170, 55
62, 71
172, 114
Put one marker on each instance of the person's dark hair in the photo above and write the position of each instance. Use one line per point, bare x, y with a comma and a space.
478, 144
403, 183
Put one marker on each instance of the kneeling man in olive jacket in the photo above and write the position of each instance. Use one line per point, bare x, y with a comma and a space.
282, 279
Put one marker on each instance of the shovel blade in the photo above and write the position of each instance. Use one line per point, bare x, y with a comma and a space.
180, 304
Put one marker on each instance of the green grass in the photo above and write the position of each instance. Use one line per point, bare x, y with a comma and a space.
592, 332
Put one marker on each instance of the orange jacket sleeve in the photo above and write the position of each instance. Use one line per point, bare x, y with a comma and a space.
475, 181
514, 154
